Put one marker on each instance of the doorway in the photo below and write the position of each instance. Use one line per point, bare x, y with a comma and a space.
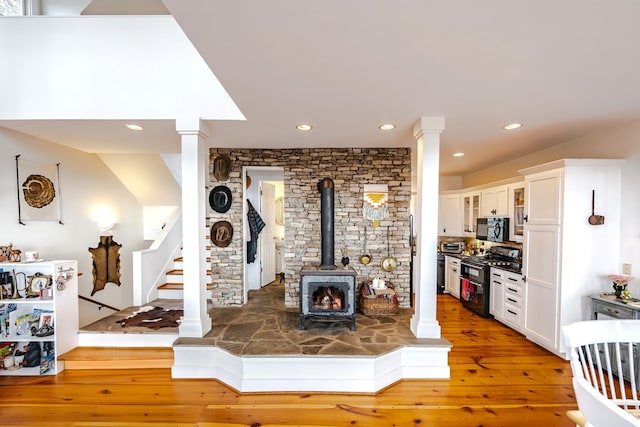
263, 186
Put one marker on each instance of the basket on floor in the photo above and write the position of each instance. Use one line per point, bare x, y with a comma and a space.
384, 303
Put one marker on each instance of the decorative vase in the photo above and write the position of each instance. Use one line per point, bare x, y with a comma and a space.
619, 288
345, 261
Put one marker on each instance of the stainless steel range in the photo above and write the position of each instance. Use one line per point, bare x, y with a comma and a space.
475, 291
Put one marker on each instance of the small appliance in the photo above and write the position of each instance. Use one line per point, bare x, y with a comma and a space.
493, 229
452, 247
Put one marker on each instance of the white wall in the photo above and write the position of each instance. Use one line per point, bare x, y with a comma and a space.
618, 143
85, 184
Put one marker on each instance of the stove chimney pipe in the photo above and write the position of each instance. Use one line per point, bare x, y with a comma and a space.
325, 186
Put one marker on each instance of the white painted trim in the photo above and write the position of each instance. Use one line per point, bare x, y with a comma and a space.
357, 374
97, 339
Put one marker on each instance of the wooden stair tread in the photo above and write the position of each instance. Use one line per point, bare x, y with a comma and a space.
118, 357
180, 271
179, 286
181, 259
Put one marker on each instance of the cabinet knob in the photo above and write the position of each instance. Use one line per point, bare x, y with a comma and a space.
526, 218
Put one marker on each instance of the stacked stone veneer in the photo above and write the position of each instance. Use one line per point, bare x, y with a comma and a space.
350, 169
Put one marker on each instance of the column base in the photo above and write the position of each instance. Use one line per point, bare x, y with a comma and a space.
195, 328
425, 328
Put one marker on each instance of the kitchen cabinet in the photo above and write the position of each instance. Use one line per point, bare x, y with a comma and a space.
495, 201
39, 322
470, 213
452, 275
508, 298
496, 305
516, 211
565, 259
450, 215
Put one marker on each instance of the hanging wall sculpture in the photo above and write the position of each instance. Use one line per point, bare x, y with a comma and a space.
38, 191
106, 263
374, 206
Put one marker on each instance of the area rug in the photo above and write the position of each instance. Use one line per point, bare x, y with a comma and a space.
153, 318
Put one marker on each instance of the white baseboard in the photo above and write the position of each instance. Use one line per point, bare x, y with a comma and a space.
356, 374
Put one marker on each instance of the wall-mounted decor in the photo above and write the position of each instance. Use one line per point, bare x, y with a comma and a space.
106, 263
221, 233
38, 191
220, 198
374, 206
222, 167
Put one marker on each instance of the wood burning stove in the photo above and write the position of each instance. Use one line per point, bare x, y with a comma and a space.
326, 291
328, 294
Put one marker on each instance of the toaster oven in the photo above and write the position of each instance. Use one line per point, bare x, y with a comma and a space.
452, 247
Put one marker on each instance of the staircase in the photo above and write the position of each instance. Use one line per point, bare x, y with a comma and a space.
174, 285
172, 289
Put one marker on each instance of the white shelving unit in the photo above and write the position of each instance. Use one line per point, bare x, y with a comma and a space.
56, 306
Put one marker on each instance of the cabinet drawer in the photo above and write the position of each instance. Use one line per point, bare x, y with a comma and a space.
513, 316
515, 290
617, 312
497, 274
513, 300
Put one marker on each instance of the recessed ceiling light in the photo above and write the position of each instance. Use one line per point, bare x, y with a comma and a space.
133, 126
304, 127
387, 126
512, 126
459, 154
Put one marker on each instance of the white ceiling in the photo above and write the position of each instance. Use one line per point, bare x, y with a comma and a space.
563, 68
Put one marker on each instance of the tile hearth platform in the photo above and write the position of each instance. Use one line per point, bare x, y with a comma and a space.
259, 348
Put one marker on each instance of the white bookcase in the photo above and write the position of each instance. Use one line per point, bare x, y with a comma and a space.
26, 313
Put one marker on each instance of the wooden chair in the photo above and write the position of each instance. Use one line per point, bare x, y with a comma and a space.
598, 410
604, 358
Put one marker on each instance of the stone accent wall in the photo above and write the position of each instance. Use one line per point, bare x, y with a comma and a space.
350, 169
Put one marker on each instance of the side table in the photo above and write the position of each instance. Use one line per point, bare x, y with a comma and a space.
613, 307
617, 309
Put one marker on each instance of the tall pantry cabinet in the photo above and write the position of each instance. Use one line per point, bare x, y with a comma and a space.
565, 259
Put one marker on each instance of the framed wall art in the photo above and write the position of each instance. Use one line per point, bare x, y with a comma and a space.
37, 283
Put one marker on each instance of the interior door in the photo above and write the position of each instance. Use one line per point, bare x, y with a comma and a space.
267, 239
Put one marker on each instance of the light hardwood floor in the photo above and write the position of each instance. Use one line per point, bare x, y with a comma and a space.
498, 378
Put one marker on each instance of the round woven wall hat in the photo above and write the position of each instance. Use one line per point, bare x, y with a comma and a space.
220, 199
222, 167
38, 191
221, 233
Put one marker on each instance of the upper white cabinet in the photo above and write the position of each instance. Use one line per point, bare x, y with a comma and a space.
565, 259
450, 216
495, 201
470, 213
543, 197
516, 211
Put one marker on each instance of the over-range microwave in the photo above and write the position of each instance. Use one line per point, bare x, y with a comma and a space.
492, 229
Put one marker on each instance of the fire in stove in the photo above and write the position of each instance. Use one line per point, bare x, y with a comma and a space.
328, 298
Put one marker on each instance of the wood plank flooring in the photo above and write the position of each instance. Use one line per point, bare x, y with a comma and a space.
498, 378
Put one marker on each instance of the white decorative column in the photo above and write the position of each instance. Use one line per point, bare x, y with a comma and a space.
427, 134
195, 157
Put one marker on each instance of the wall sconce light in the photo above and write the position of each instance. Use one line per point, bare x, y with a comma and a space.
106, 227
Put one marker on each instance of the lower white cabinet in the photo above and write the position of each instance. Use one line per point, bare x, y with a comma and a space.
38, 316
452, 276
496, 286
507, 298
